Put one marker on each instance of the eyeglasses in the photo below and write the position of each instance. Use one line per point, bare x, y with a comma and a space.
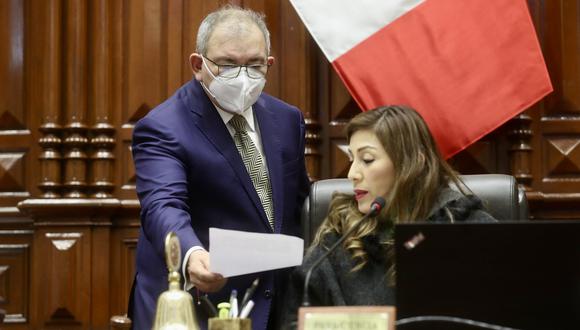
230, 71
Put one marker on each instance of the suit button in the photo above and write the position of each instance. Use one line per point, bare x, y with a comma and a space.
268, 294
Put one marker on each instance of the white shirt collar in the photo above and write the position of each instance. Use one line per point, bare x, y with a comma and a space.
248, 114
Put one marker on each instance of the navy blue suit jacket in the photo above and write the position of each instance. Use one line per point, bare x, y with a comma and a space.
190, 177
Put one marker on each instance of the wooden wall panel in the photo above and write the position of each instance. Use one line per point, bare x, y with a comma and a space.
15, 134
146, 52
12, 116
16, 243
555, 160
341, 107
560, 124
15, 260
150, 69
123, 252
62, 293
44, 85
71, 264
100, 101
78, 74
75, 138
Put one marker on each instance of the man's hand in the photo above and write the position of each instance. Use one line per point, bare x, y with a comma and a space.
199, 274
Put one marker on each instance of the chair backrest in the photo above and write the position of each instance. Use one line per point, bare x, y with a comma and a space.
499, 193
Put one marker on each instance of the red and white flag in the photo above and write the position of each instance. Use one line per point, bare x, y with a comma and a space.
467, 66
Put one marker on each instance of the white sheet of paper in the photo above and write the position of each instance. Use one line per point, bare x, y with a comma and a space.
234, 252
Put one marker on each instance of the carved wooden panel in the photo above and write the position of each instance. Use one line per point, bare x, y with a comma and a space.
341, 108
12, 115
151, 63
45, 53
15, 134
71, 269
12, 177
78, 74
100, 266
151, 49
557, 162
339, 158
62, 291
488, 155
123, 252
294, 73
100, 101
14, 279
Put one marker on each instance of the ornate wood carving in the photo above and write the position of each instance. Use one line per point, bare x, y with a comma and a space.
103, 160
555, 160
75, 160
75, 100
71, 246
63, 241
14, 275
15, 261
64, 261
15, 136
102, 140
312, 152
50, 160
47, 88
81, 73
520, 150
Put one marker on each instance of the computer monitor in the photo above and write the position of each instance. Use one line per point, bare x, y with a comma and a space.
523, 275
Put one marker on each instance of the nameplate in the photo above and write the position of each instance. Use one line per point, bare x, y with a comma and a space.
347, 318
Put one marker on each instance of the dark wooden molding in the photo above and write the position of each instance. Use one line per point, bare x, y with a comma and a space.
63, 209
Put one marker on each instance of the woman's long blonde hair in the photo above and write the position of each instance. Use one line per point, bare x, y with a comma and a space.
420, 174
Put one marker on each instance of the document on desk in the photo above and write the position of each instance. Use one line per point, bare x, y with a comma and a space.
234, 252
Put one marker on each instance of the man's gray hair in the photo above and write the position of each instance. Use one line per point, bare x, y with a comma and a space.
227, 13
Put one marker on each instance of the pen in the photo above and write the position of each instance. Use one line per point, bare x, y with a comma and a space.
250, 292
208, 306
247, 309
234, 303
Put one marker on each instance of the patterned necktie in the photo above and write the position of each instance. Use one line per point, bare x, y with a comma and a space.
254, 165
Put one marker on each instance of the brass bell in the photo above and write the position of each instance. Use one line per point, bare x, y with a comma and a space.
174, 306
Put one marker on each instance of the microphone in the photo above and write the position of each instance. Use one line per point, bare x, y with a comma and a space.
376, 206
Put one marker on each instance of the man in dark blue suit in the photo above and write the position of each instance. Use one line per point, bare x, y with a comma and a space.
218, 153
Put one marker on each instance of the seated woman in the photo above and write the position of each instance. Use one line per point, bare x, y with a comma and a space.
393, 156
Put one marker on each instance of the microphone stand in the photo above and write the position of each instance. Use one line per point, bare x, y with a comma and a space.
376, 207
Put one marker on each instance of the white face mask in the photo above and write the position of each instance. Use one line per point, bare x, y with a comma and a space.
234, 95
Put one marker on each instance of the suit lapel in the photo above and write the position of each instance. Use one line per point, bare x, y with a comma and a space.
210, 123
269, 128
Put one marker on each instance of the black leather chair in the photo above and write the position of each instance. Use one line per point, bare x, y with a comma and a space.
499, 192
